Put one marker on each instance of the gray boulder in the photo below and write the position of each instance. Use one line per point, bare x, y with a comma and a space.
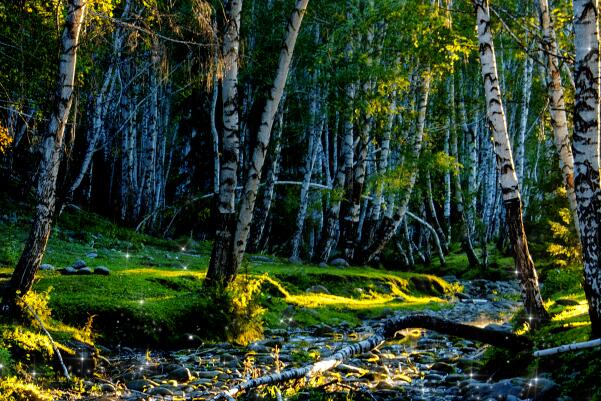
84, 271
46, 266
181, 374
68, 271
317, 289
79, 264
339, 262
295, 260
91, 255
102, 270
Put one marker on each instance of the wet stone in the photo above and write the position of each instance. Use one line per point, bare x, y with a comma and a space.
160, 391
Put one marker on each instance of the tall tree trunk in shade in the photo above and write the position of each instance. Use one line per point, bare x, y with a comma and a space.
434, 216
213, 116
585, 145
262, 212
51, 148
389, 226
525, 108
533, 302
331, 223
249, 192
225, 210
312, 151
374, 218
557, 108
463, 222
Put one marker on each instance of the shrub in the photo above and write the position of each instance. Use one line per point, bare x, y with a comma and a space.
565, 248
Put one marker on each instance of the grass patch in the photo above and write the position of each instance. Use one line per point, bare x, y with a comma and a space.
154, 295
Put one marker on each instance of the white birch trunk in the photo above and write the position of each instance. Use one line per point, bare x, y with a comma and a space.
557, 108
585, 145
230, 151
533, 302
247, 201
51, 151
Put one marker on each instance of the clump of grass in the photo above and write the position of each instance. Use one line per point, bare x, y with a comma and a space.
14, 389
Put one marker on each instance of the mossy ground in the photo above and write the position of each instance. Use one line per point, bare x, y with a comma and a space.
154, 294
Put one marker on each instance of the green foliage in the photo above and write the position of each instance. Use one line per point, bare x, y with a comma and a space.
14, 389
566, 248
236, 309
563, 280
6, 362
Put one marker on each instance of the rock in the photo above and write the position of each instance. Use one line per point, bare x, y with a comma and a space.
433, 377
102, 270
499, 327
260, 258
46, 266
79, 264
443, 367
567, 302
141, 384
339, 262
160, 391
541, 389
323, 265
208, 374
461, 296
107, 388
68, 271
317, 289
91, 255
84, 271
295, 260
181, 374
323, 329
202, 382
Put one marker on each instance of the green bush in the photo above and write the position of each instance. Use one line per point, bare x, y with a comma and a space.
559, 280
6, 362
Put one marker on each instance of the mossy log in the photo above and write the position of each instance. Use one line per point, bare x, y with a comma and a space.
387, 330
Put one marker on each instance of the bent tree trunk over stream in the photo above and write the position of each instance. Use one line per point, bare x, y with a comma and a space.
387, 331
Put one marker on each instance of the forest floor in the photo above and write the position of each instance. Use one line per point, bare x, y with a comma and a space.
153, 299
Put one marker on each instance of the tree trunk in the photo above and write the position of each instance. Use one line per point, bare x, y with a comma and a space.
525, 106
585, 146
557, 108
533, 302
249, 194
463, 222
434, 216
304, 193
262, 212
51, 149
389, 226
434, 234
215, 95
225, 219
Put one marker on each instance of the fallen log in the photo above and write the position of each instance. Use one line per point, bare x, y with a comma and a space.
387, 330
568, 347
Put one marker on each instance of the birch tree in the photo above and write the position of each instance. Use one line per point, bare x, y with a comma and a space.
225, 211
51, 149
531, 297
585, 145
226, 272
557, 107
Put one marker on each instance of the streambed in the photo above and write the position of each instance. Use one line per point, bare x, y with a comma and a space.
422, 366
